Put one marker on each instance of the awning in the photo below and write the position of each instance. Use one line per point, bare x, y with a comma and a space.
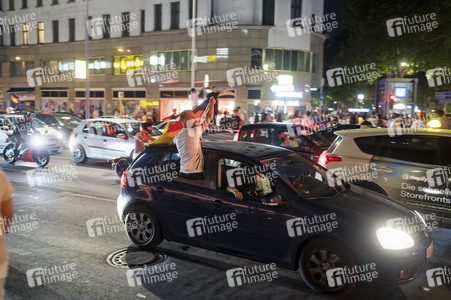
20, 90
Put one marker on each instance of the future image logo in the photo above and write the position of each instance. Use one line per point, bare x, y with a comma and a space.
438, 177
210, 225
245, 75
347, 75
205, 25
438, 76
438, 276
407, 25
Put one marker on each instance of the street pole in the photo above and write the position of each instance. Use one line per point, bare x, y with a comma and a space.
193, 44
386, 93
87, 106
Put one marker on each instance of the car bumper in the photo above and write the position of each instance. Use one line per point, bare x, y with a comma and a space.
398, 269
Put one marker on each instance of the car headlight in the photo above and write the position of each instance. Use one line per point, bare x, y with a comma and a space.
37, 141
394, 239
59, 136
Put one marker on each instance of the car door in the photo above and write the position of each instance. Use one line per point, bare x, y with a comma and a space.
91, 139
415, 170
260, 230
116, 141
183, 203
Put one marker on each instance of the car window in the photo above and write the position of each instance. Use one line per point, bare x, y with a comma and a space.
335, 144
254, 182
243, 135
368, 144
93, 128
111, 129
415, 148
262, 135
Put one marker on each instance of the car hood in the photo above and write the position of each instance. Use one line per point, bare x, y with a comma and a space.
365, 206
47, 131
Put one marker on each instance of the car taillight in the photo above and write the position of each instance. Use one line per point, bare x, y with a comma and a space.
326, 158
235, 138
124, 180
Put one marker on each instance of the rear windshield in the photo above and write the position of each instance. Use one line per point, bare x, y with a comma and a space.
335, 144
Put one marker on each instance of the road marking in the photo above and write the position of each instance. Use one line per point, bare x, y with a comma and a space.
18, 251
88, 196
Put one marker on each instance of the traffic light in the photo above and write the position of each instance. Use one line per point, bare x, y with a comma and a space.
391, 98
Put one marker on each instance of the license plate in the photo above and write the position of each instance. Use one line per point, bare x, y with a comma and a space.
429, 250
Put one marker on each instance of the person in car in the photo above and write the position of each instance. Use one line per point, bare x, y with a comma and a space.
188, 142
143, 137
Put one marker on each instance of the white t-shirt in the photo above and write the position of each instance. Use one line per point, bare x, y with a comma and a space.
6, 191
191, 157
194, 97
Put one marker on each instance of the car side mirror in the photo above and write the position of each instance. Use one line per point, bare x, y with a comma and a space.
272, 199
122, 136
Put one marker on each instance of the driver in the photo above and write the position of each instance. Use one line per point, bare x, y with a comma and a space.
143, 137
21, 128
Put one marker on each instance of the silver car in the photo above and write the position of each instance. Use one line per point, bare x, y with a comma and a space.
409, 165
103, 139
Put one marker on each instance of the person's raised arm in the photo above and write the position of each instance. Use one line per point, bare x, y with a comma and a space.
208, 114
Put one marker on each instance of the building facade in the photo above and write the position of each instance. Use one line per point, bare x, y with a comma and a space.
140, 54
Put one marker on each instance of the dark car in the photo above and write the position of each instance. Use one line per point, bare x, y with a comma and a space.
303, 223
304, 141
63, 122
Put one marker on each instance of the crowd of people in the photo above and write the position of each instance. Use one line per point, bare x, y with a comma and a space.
395, 120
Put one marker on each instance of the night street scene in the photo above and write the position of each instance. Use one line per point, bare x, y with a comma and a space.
225, 149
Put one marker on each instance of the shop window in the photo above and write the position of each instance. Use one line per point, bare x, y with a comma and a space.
286, 60
163, 61
269, 57
254, 94
294, 60
123, 63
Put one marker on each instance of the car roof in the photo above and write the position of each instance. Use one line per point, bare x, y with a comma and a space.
250, 150
392, 132
266, 125
116, 120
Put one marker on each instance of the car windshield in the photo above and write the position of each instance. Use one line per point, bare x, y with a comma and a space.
70, 121
308, 179
36, 122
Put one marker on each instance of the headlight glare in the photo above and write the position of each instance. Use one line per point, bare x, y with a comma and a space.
394, 239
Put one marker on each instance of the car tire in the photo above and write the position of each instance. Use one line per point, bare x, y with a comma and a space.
142, 226
79, 154
371, 186
321, 255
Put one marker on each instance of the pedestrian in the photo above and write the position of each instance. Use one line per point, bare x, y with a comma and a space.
174, 114
252, 118
240, 114
194, 97
353, 119
188, 142
365, 121
154, 116
6, 214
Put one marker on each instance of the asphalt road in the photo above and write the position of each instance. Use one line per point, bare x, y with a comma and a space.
53, 232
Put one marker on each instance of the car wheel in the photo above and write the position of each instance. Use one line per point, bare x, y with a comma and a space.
143, 227
321, 255
371, 186
79, 155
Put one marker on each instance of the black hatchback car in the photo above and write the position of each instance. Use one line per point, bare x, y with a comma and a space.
307, 143
299, 220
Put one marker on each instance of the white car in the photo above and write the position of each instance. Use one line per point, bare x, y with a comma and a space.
53, 138
412, 166
104, 139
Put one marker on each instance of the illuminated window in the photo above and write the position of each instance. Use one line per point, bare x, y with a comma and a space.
128, 62
40, 32
165, 60
25, 33
97, 66
286, 60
